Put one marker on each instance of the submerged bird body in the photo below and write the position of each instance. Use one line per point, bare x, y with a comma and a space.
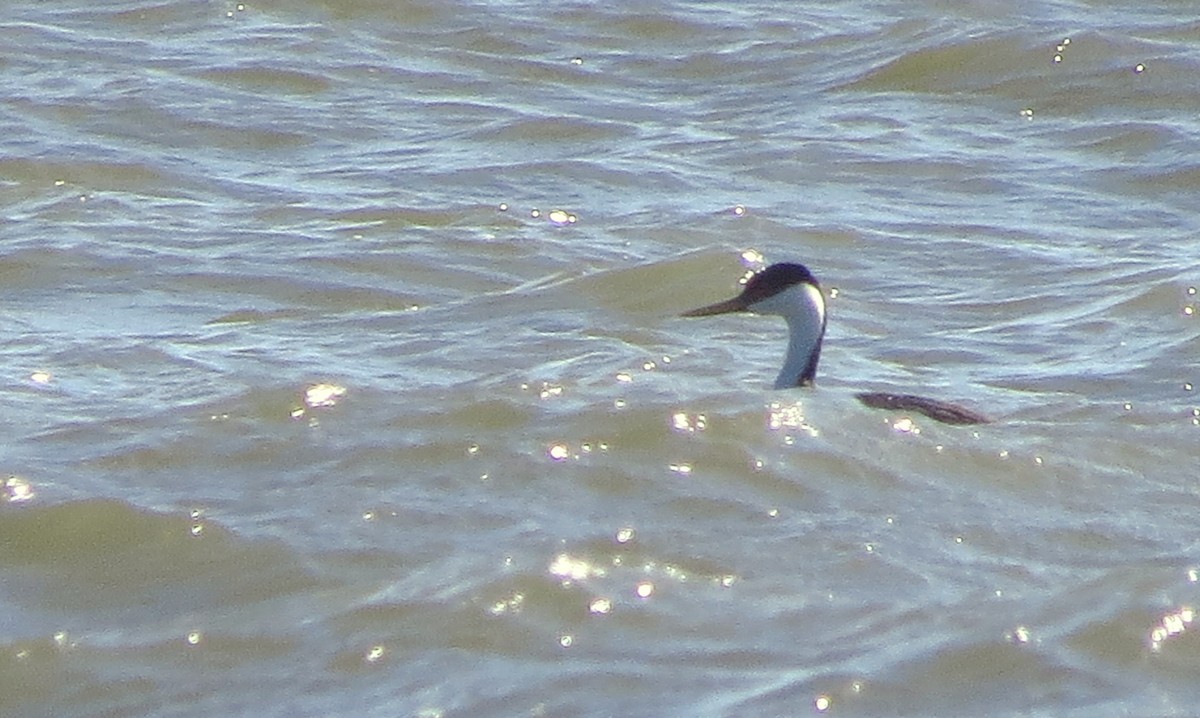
792, 292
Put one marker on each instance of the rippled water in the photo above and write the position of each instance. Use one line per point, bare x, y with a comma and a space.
344, 372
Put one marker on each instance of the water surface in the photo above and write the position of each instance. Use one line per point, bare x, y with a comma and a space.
344, 373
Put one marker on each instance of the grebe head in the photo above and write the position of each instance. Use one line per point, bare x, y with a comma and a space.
792, 292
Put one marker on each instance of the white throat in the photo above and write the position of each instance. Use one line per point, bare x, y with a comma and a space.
803, 307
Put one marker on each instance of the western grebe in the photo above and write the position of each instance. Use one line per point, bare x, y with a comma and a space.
792, 292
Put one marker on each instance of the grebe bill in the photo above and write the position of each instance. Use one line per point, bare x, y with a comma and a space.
792, 292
